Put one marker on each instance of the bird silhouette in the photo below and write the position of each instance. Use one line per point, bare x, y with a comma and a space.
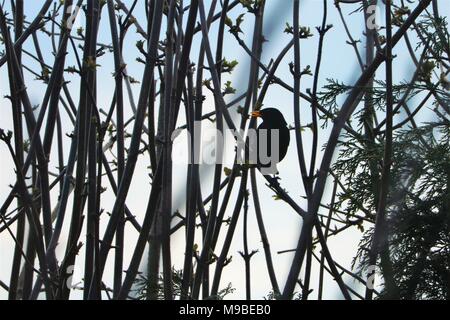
272, 140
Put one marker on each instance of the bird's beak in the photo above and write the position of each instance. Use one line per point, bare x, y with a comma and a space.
256, 114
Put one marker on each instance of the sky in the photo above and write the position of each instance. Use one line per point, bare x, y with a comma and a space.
282, 223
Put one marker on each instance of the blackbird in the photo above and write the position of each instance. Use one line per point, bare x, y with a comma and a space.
274, 126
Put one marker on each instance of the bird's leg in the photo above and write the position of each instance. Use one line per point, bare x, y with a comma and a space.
273, 181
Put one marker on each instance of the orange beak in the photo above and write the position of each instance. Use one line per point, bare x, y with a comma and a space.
256, 114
